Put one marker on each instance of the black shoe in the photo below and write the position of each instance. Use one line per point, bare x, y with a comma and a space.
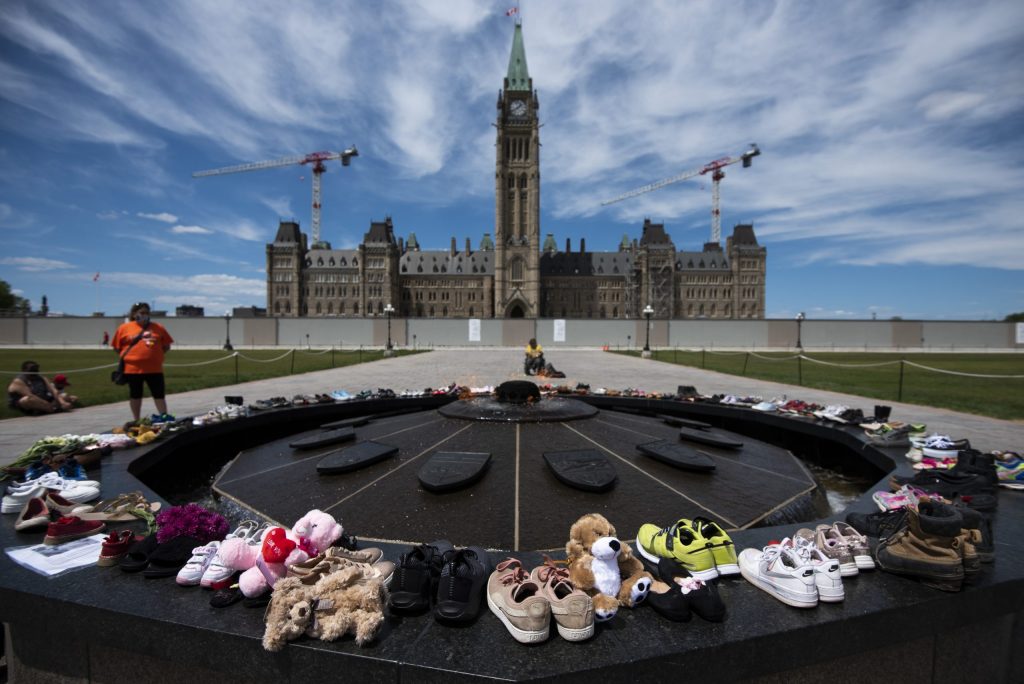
946, 483
881, 525
416, 577
686, 593
461, 585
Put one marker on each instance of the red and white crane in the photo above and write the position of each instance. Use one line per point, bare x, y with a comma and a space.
717, 174
317, 159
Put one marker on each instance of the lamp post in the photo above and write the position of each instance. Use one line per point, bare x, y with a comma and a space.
389, 310
227, 333
648, 312
799, 321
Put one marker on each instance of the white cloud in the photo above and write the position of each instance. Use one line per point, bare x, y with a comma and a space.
162, 216
110, 215
191, 230
34, 264
282, 205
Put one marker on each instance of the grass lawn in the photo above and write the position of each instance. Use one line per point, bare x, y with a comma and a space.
993, 397
94, 386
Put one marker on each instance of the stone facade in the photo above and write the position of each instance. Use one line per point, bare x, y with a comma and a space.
513, 275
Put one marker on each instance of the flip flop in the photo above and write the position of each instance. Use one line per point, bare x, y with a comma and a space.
119, 509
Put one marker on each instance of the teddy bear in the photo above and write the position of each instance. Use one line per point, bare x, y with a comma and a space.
341, 602
603, 567
263, 564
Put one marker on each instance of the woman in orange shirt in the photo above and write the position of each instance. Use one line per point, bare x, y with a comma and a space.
143, 344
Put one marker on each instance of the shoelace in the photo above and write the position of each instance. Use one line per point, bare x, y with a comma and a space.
515, 575
549, 572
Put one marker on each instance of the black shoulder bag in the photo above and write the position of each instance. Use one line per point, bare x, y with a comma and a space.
118, 376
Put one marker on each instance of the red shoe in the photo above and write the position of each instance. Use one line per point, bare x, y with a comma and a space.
115, 546
66, 529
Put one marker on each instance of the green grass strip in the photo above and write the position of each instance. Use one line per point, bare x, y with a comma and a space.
878, 376
185, 369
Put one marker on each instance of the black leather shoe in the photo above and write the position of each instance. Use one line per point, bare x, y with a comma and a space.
461, 585
416, 576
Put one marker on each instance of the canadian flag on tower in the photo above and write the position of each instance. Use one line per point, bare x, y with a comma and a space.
511, 11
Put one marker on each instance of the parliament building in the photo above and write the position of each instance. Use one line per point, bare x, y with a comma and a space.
515, 274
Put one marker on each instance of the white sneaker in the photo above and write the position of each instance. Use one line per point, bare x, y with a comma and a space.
195, 569
79, 494
780, 572
827, 577
50, 481
15, 501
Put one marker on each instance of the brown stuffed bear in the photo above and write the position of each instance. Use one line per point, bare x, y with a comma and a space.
288, 614
348, 603
603, 567
342, 601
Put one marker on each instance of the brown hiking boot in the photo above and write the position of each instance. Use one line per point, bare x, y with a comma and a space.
928, 548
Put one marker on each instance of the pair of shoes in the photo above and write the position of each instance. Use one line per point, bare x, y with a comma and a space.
217, 575
842, 543
699, 545
191, 574
950, 483
937, 445
930, 547
334, 558
525, 602
676, 594
780, 571
417, 576
66, 529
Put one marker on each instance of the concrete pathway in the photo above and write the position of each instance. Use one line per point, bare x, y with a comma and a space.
478, 367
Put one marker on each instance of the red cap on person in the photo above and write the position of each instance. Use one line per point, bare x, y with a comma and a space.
60, 379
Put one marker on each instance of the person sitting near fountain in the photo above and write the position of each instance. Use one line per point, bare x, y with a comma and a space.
534, 358
33, 394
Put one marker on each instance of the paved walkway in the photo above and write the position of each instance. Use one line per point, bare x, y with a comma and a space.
479, 367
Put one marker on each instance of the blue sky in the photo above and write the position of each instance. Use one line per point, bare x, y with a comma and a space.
891, 181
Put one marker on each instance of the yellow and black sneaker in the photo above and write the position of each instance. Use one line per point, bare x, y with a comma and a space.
722, 547
682, 543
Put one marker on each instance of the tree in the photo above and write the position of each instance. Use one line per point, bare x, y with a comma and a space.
12, 303
1015, 317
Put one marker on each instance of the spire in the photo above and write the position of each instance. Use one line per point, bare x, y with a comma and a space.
518, 75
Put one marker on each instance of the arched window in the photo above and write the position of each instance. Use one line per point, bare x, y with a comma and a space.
318, 310
517, 270
355, 308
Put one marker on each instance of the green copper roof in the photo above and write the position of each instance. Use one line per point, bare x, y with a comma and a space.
518, 75
486, 245
411, 243
625, 242
549, 243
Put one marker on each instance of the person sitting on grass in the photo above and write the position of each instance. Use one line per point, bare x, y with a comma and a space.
33, 394
60, 381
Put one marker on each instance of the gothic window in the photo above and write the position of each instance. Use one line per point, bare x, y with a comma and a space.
287, 307
522, 181
330, 308
355, 308
470, 312
517, 270
277, 307
380, 307
615, 312
431, 312
511, 182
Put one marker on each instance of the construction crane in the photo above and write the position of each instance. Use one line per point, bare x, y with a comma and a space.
317, 159
717, 174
